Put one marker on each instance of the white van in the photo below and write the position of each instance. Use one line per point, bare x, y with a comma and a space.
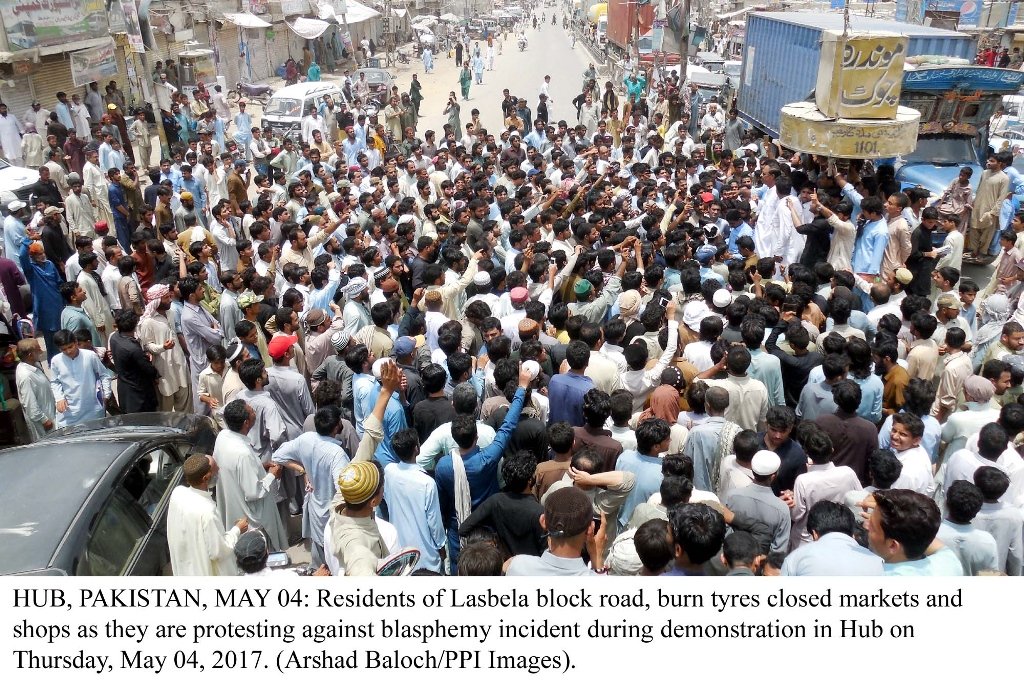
286, 108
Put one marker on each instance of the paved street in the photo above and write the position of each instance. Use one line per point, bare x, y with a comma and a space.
548, 53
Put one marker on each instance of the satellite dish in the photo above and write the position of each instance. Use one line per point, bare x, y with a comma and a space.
399, 564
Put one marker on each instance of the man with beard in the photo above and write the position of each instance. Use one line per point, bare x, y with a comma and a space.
160, 341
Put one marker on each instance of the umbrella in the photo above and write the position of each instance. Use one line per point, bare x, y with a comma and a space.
426, 19
450, 18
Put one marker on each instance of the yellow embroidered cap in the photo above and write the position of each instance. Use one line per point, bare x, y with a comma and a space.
358, 481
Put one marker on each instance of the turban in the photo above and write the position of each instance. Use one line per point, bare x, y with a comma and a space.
153, 296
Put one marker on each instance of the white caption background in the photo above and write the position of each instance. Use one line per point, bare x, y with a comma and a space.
460, 628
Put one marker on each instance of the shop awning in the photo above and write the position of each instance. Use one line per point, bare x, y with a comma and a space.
246, 20
20, 55
358, 12
730, 15
308, 28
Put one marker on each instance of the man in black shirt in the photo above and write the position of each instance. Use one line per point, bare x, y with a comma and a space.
514, 514
436, 409
45, 189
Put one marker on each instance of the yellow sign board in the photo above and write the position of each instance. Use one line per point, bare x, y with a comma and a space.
804, 128
860, 75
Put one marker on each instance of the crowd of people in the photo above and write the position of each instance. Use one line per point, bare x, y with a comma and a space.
640, 342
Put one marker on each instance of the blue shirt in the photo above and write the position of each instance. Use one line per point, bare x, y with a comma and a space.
394, 421
44, 281
364, 397
672, 278
415, 511
834, 555
647, 470
708, 273
115, 194
870, 397
854, 197
870, 247
942, 563
481, 471
192, 185
83, 382
565, 397
14, 234
175, 177
743, 230
970, 315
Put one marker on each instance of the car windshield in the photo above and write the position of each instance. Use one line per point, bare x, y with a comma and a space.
375, 77
942, 150
282, 106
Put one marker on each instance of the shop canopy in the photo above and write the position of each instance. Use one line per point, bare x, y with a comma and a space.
358, 12
246, 20
308, 28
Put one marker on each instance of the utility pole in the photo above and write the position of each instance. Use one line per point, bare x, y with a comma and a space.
684, 41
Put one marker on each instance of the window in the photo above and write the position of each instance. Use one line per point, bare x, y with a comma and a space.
150, 478
133, 521
120, 527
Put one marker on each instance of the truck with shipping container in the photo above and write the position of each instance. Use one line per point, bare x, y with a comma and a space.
780, 66
627, 21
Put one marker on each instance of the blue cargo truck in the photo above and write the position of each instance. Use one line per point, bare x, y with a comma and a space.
780, 66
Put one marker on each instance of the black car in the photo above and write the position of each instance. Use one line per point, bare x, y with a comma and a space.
92, 499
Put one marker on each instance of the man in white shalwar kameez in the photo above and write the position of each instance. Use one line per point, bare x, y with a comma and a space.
95, 182
96, 305
10, 136
247, 487
160, 340
198, 544
322, 459
768, 239
790, 216
37, 403
78, 210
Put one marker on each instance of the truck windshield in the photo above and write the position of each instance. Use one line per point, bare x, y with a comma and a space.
943, 150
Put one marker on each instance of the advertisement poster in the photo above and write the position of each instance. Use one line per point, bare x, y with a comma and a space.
132, 28
912, 11
95, 64
32, 24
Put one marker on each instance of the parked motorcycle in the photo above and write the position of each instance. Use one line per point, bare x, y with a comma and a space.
252, 92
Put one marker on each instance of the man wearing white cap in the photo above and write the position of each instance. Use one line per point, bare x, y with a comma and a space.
14, 230
759, 501
482, 282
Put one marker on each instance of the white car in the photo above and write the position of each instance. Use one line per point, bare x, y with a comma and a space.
14, 183
1012, 139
